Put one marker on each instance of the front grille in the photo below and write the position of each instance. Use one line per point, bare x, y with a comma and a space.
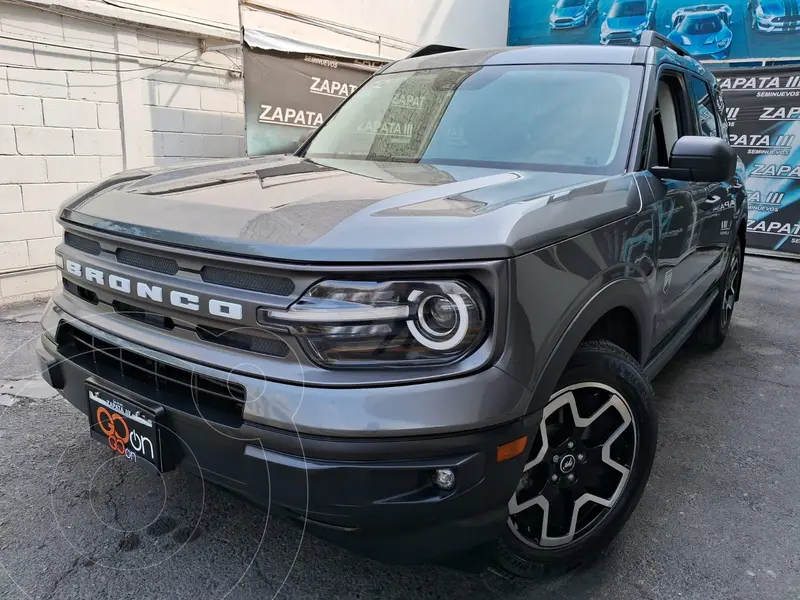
81, 292
143, 316
81, 243
243, 341
563, 21
255, 282
788, 20
166, 384
159, 264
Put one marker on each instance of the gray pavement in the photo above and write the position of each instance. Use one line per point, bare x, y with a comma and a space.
720, 518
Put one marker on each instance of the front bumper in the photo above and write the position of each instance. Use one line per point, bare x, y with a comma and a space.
768, 26
372, 495
718, 54
567, 23
620, 38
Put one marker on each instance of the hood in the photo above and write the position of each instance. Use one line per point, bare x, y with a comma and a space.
568, 12
293, 209
780, 8
625, 24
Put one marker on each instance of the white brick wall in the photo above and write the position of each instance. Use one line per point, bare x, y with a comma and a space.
79, 169
26, 285
23, 169
29, 82
108, 116
10, 199
61, 120
92, 142
99, 87
44, 140
41, 252
69, 113
8, 143
46, 196
178, 95
25, 226
14, 255
20, 110
13, 52
221, 100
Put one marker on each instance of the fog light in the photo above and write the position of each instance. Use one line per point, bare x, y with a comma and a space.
59, 261
444, 479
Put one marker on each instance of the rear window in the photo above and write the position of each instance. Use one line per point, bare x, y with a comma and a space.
568, 118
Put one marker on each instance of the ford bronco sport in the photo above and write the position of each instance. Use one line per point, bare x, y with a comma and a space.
432, 327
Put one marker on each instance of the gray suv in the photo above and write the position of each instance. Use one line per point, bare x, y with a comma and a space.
432, 329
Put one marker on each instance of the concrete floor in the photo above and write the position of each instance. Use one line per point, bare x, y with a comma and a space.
720, 518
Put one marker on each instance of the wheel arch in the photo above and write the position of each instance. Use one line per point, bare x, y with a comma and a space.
622, 297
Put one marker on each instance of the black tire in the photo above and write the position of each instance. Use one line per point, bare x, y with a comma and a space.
713, 329
596, 362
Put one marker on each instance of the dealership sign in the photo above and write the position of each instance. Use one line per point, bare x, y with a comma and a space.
763, 112
291, 88
737, 29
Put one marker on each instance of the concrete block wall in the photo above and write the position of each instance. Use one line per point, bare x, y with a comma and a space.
192, 113
70, 117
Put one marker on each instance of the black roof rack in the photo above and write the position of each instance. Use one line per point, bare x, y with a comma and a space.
656, 40
433, 49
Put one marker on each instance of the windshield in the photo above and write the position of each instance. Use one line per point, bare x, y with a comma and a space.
704, 25
569, 3
627, 9
563, 118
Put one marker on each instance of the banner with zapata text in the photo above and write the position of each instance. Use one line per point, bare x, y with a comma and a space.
763, 112
289, 94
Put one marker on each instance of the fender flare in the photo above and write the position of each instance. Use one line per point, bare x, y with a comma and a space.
621, 293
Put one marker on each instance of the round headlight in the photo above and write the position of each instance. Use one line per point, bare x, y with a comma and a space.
442, 321
438, 316
363, 324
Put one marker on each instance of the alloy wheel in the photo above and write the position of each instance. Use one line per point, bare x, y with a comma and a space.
581, 462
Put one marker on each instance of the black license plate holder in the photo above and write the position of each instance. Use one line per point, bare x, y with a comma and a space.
126, 427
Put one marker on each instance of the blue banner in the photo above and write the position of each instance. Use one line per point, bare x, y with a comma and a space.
739, 29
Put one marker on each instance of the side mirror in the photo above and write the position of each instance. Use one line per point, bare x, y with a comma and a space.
699, 158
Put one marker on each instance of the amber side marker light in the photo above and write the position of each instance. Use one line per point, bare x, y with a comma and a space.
511, 449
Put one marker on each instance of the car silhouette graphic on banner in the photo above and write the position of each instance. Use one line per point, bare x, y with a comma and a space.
627, 20
703, 31
711, 31
775, 16
573, 13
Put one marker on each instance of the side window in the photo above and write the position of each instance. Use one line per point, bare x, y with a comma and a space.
704, 101
669, 120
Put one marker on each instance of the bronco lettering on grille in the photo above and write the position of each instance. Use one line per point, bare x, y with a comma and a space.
155, 293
